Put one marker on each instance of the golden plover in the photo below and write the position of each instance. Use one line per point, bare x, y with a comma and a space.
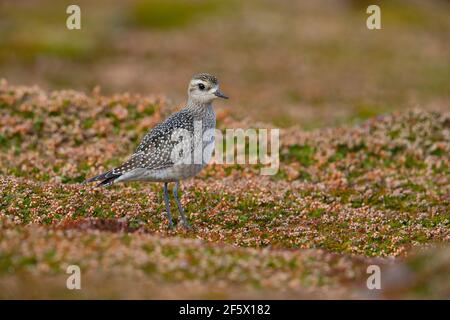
175, 149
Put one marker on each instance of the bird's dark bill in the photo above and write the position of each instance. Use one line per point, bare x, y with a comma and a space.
219, 94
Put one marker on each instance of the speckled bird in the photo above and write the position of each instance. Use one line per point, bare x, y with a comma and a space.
166, 153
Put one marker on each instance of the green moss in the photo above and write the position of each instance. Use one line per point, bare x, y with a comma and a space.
357, 202
101, 212
77, 179
88, 123
149, 268
6, 200
27, 261
162, 14
243, 219
316, 213
170, 252
301, 153
7, 264
342, 150
27, 114
411, 163
3, 141
304, 176
17, 172
437, 220
367, 111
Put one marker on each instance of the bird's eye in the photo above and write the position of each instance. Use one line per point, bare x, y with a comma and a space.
201, 86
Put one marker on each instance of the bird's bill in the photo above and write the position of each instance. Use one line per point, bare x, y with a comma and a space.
219, 94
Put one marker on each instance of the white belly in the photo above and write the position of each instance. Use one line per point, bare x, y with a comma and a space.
207, 152
174, 173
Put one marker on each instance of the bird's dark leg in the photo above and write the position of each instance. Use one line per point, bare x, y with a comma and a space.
180, 208
167, 201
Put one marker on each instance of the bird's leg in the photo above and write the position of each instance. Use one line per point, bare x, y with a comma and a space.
180, 208
167, 201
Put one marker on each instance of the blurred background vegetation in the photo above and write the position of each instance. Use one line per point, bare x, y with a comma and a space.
312, 63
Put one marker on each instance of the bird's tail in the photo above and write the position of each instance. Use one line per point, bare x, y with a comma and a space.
106, 179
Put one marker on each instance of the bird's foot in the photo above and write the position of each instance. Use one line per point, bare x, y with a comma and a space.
187, 226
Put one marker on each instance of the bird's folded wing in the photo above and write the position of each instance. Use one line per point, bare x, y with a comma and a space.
156, 148
162, 133
142, 160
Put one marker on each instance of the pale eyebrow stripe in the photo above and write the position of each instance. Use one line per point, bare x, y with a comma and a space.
207, 85
199, 81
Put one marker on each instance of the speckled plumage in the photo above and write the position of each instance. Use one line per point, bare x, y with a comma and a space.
206, 77
153, 159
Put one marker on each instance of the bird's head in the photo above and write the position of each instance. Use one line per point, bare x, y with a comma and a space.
204, 88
